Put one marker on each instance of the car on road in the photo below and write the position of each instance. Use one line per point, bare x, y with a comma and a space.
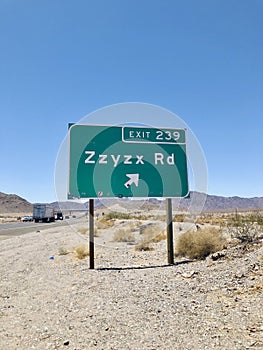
27, 218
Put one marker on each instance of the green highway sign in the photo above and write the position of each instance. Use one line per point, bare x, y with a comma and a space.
126, 161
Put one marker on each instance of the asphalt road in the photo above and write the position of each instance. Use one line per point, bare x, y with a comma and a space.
21, 228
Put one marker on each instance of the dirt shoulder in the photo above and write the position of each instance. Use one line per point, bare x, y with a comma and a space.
132, 300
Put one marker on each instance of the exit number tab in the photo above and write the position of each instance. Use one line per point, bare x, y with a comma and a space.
152, 135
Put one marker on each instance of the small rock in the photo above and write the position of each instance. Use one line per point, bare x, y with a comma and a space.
218, 255
188, 274
239, 274
66, 343
256, 267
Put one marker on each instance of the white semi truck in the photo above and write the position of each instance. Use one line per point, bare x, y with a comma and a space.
43, 212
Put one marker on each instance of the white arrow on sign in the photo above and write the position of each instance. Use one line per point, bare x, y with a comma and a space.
134, 178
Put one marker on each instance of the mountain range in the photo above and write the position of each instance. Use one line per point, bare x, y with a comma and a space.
12, 203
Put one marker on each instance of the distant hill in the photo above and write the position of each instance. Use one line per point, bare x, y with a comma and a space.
232, 203
220, 203
212, 203
11, 203
70, 205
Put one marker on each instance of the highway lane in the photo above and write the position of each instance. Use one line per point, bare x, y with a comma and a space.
20, 228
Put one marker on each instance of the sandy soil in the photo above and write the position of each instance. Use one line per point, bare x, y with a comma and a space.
131, 300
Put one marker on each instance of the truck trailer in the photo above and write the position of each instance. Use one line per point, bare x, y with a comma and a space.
43, 212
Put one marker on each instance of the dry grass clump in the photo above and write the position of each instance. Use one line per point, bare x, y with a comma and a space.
116, 215
81, 251
179, 218
218, 219
199, 244
231, 218
104, 223
134, 225
83, 230
150, 234
123, 236
246, 227
143, 246
142, 217
160, 237
63, 251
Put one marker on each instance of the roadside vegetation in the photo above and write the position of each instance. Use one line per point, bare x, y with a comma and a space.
213, 231
149, 234
81, 251
199, 244
63, 251
122, 235
246, 228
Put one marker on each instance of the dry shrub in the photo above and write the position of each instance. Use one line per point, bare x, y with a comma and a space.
123, 236
143, 246
83, 230
63, 251
81, 251
150, 234
160, 237
199, 244
134, 225
116, 215
179, 218
212, 219
142, 217
104, 223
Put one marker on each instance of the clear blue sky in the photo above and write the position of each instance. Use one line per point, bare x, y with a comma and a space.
61, 60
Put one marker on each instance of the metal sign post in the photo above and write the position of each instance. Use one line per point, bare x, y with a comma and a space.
169, 220
91, 233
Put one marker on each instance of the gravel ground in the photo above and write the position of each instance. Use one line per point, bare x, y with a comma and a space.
131, 300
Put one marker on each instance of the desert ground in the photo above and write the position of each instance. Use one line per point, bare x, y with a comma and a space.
133, 299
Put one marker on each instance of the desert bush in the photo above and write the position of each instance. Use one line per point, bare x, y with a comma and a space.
83, 230
160, 218
218, 219
260, 220
104, 223
134, 225
142, 217
62, 251
199, 244
81, 251
245, 228
116, 215
179, 218
160, 237
150, 234
245, 232
256, 217
123, 236
143, 246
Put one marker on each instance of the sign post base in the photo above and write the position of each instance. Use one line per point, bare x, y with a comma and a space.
169, 220
91, 233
